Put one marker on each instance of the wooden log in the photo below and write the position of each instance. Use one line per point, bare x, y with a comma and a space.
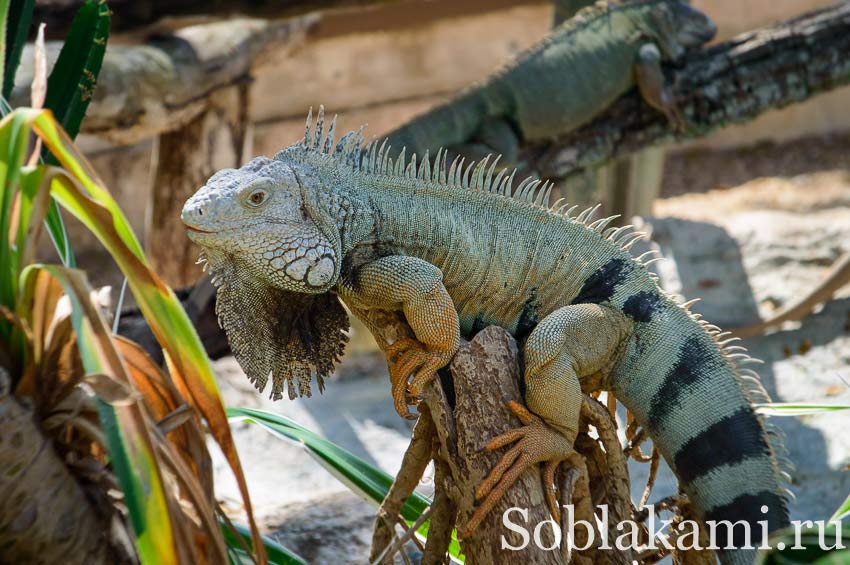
485, 376
144, 90
133, 14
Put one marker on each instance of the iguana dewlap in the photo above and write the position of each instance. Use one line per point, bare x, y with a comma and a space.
443, 252
565, 80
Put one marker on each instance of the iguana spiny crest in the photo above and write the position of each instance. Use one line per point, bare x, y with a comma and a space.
274, 237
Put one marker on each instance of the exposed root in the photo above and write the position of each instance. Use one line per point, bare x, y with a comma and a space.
413, 466
440, 529
650, 480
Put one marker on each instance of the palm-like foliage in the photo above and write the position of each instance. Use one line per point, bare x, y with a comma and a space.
139, 429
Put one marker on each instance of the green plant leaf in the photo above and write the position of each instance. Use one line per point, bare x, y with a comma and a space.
14, 143
71, 82
842, 511
4, 49
797, 409
804, 409
130, 445
82, 193
69, 90
17, 31
365, 480
59, 236
278, 555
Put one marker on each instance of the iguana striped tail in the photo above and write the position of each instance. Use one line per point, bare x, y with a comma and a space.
685, 384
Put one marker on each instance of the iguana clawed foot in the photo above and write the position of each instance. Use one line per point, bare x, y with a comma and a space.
407, 357
536, 442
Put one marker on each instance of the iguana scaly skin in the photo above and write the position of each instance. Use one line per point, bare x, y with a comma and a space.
443, 252
565, 80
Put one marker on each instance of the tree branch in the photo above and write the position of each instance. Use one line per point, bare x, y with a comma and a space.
132, 14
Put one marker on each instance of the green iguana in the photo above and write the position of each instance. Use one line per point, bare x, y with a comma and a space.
565, 80
444, 251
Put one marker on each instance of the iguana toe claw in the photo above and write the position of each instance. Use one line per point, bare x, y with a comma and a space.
536, 442
399, 346
408, 357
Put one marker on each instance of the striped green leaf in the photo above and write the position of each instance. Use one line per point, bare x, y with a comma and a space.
278, 555
365, 480
797, 409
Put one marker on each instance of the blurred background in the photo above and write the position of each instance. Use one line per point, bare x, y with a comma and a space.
750, 218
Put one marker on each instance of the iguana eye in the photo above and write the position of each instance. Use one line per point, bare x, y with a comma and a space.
257, 197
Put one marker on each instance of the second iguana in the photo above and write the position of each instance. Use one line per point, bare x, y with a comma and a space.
440, 252
565, 80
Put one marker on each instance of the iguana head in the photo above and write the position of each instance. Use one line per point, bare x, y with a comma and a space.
677, 26
274, 254
264, 215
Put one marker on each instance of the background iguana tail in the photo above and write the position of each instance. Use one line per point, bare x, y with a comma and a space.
687, 386
446, 125
837, 277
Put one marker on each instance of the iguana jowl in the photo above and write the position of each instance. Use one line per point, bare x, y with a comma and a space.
443, 252
565, 80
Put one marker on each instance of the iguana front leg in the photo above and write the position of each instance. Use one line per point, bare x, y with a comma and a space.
569, 344
653, 89
414, 288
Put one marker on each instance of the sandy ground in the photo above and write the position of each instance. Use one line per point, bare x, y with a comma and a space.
745, 251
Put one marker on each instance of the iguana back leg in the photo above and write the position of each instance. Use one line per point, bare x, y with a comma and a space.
569, 344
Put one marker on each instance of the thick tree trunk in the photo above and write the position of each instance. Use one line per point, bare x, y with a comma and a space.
485, 376
45, 516
458, 416
729, 83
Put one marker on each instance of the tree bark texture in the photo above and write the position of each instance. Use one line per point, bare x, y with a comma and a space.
45, 515
145, 90
728, 83
485, 375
